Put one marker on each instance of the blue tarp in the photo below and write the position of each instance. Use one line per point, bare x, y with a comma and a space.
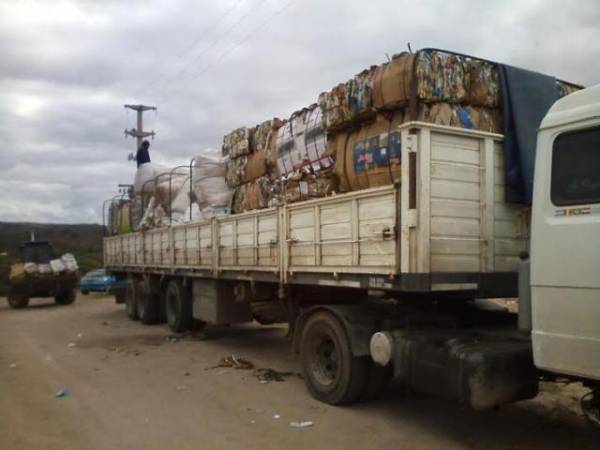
526, 98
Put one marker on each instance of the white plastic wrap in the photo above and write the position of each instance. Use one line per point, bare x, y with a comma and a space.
30, 268
44, 269
70, 262
57, 266
208, 179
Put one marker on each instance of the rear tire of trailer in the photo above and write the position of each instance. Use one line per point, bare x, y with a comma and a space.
65, 297
148, 304
331, 373
131, 300
178, 306
17, 301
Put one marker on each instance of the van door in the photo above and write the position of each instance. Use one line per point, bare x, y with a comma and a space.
565, 251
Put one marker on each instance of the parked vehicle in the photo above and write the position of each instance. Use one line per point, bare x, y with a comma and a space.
430, 245
99, 281
41, 274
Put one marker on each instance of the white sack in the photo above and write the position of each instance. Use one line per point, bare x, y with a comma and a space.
57, 266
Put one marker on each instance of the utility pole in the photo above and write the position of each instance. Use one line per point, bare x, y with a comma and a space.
139, 132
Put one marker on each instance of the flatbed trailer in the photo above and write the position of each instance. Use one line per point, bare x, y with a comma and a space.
409, 258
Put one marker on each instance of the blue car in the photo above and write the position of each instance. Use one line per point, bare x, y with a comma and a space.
97, 281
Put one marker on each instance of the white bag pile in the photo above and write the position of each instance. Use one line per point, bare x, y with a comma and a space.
209, 194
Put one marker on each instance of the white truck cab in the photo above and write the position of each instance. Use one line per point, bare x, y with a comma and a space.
565, 238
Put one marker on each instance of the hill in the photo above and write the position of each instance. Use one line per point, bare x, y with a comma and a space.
82, 240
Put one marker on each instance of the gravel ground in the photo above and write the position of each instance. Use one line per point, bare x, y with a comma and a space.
135, 387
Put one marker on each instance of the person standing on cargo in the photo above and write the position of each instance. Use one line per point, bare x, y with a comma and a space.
143, 155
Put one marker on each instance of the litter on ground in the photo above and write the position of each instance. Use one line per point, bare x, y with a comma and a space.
235, 362
304, 424
62, 392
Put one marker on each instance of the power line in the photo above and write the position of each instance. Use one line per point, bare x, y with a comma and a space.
240, 42
195, 42
214, 43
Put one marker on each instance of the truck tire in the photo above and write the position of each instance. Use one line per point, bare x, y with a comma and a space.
131, 300
148, 304
65, 297
17, 301
331, 373
178, 307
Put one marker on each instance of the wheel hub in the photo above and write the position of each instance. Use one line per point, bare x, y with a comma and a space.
325, 364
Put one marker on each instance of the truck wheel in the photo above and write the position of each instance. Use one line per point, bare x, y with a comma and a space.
131, 300
331, 373
148, 305
65, 297
178, 305
17, 301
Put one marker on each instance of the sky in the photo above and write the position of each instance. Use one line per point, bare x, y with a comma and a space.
68, 67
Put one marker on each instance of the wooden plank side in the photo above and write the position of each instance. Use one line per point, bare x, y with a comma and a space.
455, 263
454, 227
454, 208
454, 190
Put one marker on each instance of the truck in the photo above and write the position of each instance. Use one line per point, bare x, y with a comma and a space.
394, 282
25, 284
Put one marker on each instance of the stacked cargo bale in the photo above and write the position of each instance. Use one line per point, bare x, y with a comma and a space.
252, 166
305, 167
349, 140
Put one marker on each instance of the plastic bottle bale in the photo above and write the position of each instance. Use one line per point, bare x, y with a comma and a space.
486, 119
235, 171
360, 93
373, 154
484, 89
442, 77
236, 143
392, 82
335, 106
238, 199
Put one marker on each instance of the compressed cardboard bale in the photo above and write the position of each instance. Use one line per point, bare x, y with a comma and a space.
256, 166
271, 150
484, 89
336, 148
371, 155
392, 82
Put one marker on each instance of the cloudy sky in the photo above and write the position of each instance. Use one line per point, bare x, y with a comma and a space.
67, 68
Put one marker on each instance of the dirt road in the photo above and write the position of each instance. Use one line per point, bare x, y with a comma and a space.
131, 387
